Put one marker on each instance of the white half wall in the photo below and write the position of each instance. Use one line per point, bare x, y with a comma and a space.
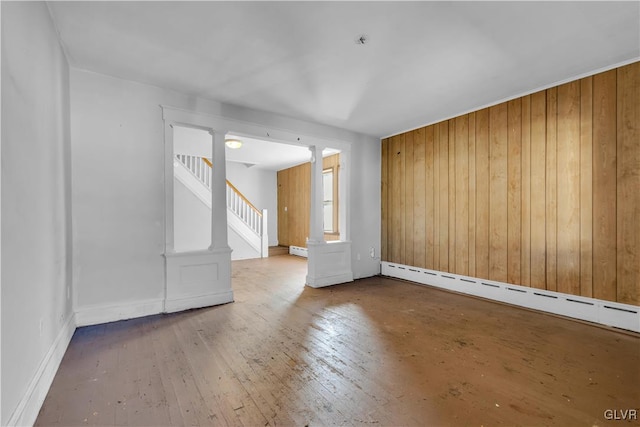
261, 188
37, 315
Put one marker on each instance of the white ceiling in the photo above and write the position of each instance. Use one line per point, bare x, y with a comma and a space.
424, 61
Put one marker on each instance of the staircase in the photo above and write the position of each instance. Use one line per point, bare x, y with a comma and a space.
278, 250
249, 222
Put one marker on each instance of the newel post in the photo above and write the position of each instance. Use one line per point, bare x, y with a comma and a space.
265, 234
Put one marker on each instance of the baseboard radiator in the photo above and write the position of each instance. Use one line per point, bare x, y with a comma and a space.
298, 251
623, 316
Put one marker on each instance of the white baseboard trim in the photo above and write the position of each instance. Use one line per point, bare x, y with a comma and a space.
198, 301
297, 250
623, 316
29, 406
94, 315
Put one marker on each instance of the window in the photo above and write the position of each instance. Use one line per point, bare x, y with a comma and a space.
330, 202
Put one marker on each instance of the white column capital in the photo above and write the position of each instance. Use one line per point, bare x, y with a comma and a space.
217, 133
316, 152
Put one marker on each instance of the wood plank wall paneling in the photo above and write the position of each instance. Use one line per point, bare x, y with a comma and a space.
384, 191
430, 205
540, 191
443, 195
408, 197
472, 194
605, 188
461, 195
628, 179
586, 187
498, 192
294, 194
568, 226
452, 195
551, 189
419, 197
525, 253
514, 191
538, 183
482, 193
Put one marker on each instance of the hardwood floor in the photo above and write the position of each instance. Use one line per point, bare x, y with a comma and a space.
373, 352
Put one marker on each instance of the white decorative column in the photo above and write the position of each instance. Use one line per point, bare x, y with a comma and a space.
328, 263
316, 227
169, 235
218, 192
203, 278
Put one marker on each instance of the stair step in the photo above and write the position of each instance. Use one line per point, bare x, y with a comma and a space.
278, 250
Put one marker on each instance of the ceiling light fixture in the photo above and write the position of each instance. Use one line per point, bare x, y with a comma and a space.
233, 143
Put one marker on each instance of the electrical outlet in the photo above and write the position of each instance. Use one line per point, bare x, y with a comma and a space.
372, 252
358, 257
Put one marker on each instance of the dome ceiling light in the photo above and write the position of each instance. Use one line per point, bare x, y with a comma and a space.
234, 144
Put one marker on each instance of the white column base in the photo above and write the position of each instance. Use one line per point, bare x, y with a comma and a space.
198, 279
329, 263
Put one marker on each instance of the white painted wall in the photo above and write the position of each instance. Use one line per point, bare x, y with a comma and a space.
118, 196
36, 205
192, 220
241, 249
261, 188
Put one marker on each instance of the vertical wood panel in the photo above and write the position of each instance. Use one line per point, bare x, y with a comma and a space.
538, 193
396, 194
419, 205
402, 205
482, 193
436, 196
526, 193
628, 188
430, 185
283, 200
586, 187
461, 143
472, 194
604, 186
384, 208
568, 247
444, 195
552, 189
303, 208
498, 192
514, 191
306, 205
452, 197
408, 199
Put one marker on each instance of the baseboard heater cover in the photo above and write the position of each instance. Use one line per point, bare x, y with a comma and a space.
623, 316
298, 251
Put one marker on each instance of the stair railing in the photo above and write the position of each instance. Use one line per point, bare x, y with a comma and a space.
253, 217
